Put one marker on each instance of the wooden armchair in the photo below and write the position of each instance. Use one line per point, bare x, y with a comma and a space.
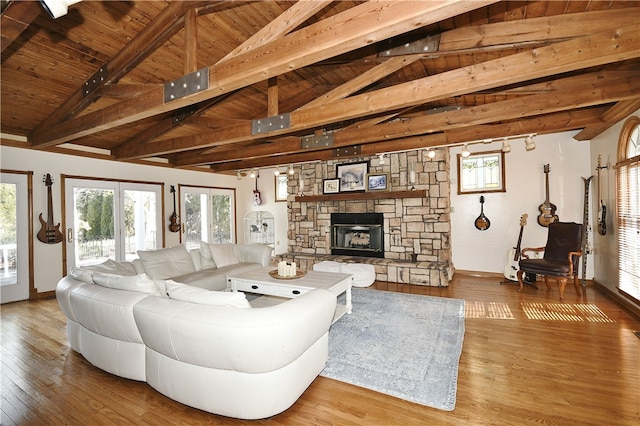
561, 256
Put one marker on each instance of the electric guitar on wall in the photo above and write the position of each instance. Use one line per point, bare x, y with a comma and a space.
49, 233
256, 195
547, 209
602, 209
513, 257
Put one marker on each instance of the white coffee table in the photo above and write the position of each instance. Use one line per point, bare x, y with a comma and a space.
259, 281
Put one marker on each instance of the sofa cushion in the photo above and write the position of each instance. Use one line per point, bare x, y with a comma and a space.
205, 256
223, 255
186, 293
167, 262
141, 283
109, 266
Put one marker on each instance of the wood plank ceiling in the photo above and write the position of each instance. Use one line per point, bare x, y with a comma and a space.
347, 77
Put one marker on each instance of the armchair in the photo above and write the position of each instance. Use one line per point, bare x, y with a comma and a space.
561, 255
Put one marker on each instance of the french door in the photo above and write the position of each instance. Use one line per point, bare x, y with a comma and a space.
111, 220
14, 237
208, 214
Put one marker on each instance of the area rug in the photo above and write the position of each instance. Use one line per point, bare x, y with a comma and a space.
403, 345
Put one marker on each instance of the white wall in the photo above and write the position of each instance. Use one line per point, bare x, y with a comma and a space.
605, 246
486, 251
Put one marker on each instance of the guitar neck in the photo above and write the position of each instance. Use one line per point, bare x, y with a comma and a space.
49, 207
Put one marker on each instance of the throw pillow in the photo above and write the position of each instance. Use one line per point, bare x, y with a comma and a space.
205, 256
223, 255
141, 283
109, 266
187, 293
167, 262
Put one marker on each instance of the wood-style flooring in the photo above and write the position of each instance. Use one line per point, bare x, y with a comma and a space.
527, 360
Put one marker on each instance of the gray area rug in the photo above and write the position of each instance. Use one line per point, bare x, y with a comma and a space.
403, 345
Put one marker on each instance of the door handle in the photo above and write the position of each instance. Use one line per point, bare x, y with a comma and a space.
70, 235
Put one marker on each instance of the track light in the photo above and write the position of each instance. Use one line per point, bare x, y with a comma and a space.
277, 172
57, 8
239, 175
252, 175
291, 171
465, 151
431, 153
505, 145
529, 144
381, 160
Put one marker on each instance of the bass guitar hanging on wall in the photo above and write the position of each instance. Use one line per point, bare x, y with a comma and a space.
49, 233
547, 209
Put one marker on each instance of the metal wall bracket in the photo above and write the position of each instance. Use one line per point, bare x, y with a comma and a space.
189, 84
96, 80
430, 44
181, 114
313, 141
269, 124
347, 151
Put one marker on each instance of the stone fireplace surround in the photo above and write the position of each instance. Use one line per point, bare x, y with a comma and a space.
416, 229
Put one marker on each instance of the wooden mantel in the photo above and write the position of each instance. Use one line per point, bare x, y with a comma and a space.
373, 195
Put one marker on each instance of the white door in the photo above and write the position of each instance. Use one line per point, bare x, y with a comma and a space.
111, 220
208, 214
14, 237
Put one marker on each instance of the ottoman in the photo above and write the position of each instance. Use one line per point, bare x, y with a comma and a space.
363, 275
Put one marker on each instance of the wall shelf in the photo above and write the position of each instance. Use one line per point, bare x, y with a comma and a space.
373, 195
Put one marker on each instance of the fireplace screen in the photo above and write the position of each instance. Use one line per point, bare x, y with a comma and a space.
359, 234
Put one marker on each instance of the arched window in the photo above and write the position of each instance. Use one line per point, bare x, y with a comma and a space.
628, 206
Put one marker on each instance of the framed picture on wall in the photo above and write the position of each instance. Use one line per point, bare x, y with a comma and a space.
330, 186
352, 176
378, 182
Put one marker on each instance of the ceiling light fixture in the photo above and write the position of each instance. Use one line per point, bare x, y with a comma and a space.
465, 151
277, 172
291, 171
239, 175
381, 160
57, 8
431, 153
252, 175
529, 144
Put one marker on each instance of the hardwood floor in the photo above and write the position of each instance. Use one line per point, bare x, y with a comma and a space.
527, 360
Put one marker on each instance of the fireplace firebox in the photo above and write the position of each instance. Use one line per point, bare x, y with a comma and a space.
357, 234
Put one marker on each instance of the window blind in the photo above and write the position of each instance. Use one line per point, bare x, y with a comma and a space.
628, 221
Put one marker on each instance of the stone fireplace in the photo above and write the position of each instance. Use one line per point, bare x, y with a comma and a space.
415, 223
357, 234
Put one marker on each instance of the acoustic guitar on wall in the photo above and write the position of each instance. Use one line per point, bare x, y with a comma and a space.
49, 233
547, 209
174, 219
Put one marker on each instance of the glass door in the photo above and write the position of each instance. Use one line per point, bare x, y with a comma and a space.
111, 220
209, 215
14, 237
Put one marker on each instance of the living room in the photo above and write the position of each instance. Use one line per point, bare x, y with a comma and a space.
553, 166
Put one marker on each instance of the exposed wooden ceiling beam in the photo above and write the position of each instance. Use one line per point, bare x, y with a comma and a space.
600, 91
358, 27
609, 118
566, 56
552, 123
16, 17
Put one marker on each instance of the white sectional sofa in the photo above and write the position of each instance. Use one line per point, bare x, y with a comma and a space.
206, 349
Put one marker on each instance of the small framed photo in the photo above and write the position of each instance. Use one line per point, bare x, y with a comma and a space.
330, 186
378, 182
281, 183
352, 176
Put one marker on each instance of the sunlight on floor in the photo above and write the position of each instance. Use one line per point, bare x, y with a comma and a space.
493, 310
564, 312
